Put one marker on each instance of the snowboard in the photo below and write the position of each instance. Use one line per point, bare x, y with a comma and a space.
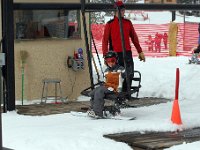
83, 114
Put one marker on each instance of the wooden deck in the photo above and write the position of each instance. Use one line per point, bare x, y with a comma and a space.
156, 140
51, 108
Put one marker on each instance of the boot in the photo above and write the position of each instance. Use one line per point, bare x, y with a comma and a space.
92, 114
194, 58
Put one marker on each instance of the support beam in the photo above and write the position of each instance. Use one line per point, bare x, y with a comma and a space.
104, 7
173, 15
89, 57
8, 48
124, 53
0, 115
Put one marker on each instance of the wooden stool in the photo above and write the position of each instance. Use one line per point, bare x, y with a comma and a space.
45, 95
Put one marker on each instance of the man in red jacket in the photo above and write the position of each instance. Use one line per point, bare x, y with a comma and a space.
112, 38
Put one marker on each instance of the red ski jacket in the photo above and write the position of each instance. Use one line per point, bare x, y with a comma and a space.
112, 36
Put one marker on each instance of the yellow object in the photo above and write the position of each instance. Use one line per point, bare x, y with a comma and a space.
23, 55
172, 38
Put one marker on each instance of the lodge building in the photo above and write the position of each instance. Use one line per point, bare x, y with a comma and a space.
48, 37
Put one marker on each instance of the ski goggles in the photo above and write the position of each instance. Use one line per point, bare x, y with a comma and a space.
111, 60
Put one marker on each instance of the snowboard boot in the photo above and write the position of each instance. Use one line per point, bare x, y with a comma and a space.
194, 59
92, 114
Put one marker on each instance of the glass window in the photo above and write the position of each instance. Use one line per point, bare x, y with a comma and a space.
32, 24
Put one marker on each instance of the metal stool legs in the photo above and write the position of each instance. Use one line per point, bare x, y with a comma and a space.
45, 94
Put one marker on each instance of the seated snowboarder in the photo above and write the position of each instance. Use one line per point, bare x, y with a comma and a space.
195, 54
114, 75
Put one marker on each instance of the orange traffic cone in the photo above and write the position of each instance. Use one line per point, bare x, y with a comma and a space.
176, 116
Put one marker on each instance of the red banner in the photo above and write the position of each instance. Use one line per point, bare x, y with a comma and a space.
153, 38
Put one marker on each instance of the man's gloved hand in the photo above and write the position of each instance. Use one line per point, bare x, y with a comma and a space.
141, 56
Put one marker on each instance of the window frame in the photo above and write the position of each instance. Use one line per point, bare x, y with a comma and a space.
74, 37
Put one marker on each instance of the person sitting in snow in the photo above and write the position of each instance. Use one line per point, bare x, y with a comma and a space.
195, 54
114, 75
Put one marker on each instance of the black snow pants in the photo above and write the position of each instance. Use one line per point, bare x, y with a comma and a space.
130, 66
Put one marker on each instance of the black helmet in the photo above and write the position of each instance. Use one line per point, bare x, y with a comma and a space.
110, 54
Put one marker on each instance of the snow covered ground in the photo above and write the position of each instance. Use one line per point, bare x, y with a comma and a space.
67, 132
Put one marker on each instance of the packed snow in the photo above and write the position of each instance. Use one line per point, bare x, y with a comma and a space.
65, 131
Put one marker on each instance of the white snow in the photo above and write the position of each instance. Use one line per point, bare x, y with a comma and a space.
64, 131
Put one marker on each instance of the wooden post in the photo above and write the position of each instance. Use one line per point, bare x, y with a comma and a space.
172, 38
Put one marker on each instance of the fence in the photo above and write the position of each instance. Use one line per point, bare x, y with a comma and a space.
187, 37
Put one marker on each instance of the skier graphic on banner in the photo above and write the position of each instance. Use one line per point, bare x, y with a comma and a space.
165, 37
157, 40
149, 42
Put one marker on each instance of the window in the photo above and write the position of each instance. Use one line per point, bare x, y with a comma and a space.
32, 24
